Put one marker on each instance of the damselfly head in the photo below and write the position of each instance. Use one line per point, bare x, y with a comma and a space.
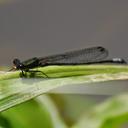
17, 64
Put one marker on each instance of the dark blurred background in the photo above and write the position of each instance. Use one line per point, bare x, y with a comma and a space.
31, 28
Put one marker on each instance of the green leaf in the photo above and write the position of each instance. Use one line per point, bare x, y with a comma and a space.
110, 114
39, 113
15, 90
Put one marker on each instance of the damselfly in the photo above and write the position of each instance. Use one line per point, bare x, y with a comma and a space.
92, 55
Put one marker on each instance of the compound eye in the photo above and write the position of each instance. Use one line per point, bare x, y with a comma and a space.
20, 65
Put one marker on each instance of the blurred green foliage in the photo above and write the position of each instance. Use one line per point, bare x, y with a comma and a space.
31, 114
74, 111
